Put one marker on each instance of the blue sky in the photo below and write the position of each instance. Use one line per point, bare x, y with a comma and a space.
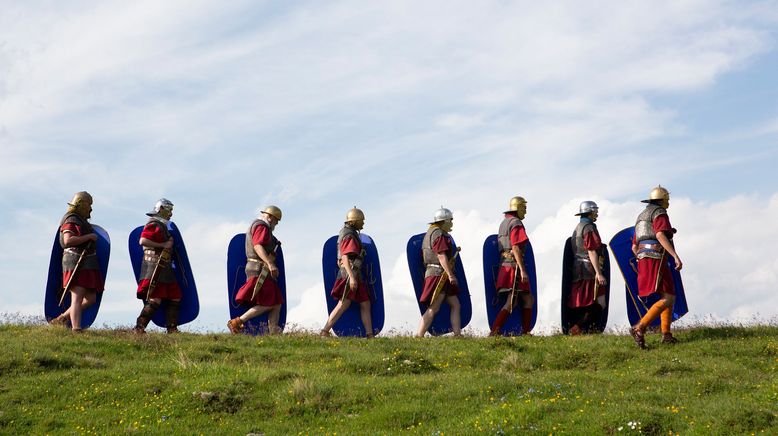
397, 107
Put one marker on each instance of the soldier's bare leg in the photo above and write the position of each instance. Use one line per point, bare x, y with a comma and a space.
367, 319
429, 315
456, 321
76, 306
337, 312
272, 320
254, 312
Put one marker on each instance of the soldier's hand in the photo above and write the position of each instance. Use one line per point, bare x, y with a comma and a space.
524, 277
273, 270
353, 284
453, 280
678, 263
601, 279
168, 244
92, 237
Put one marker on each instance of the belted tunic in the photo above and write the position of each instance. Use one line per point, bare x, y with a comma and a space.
89, 275
511, 233
269, 293
654, 274
166, 285
350, 245
435, 242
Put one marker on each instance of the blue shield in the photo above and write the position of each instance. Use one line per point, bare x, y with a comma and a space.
568, 314
442, 322
54, 284
190, 304
495, 302
236, 278
621, 245
350, 323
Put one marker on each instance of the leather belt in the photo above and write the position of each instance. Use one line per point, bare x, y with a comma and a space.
77, 252
651, 247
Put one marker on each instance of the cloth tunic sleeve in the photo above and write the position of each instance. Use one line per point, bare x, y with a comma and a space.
519, 236
349, 246
441, 245
662, 224
592, 240
153, 232
71, 228
260, 236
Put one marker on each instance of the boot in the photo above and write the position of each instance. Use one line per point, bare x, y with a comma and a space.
235, 325
60, 321
668, 338
526, 321
499, 321
638, 334
171, 316
145, 317
575, 330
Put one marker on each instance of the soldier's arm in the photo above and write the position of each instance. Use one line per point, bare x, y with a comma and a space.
72, 240
668, 246
443, 259
268, 259
516, 250
151, 244
344, 261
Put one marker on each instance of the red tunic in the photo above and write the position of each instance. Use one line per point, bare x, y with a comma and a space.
89, 279
168, 291
582, 292
441, 245
270, 293
507, 274
649, 268
349, 246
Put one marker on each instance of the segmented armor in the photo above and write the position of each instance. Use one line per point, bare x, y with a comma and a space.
254, 263
582, 265
504, 238
151, 257
355, 260
428, 254
648, 245
70, 255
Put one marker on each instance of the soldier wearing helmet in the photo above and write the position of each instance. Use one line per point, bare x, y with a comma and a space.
261, 289
652, 243
588, 288
75, 236
157, 242
350, 283
513, 276
437, 251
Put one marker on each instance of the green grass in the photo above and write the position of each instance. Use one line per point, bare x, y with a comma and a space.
716, 381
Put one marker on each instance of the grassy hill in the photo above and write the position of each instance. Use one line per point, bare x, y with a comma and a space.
717, 380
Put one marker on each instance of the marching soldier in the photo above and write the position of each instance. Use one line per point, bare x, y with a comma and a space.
652, 243
76, 235
157, 281
512, 278
438, 253
350, 285
261, 289
587, 293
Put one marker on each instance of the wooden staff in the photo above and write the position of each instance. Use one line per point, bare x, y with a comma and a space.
444, 277
76, 269
162, 262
